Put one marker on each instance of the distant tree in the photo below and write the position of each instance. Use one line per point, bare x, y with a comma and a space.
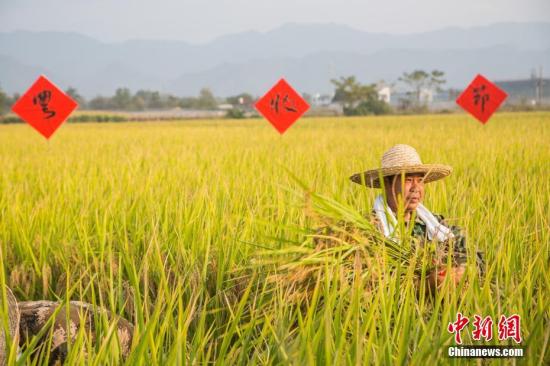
172, 101
155, 101
73, 93
206, 100
138, 103
3, 102
372, 106
419, 80
122, 99
188, 103
349, 92
235, 113
358, 99
11, 101
101, 103
145, 99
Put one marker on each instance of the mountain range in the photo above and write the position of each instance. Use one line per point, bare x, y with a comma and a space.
307, 55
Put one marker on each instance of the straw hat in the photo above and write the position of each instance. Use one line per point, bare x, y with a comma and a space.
401, 159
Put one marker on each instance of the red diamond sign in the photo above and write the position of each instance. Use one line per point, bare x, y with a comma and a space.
44, 106
282, 106
481, 98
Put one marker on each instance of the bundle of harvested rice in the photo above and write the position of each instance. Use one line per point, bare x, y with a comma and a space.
348, 244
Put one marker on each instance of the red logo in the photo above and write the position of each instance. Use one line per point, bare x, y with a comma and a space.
508, 327
483, 328
457, 326
282, 106
44, 106
481, 98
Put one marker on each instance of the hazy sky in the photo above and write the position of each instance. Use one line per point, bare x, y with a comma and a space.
203, 20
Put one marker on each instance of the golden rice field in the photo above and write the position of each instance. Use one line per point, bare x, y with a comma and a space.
164, 222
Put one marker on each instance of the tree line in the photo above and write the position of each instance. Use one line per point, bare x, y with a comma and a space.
124, 100
354, 97
363, 99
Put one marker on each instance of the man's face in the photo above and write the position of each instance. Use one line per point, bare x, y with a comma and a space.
411, 190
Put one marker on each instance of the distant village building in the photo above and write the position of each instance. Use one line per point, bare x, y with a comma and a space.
225, 106
322, 104
533, 91
321, 100
384, 93
426, 96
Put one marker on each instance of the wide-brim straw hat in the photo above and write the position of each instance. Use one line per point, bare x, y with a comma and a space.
401, 159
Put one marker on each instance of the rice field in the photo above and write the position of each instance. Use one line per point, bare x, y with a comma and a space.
171, 225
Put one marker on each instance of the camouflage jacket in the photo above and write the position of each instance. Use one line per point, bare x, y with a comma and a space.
460, 253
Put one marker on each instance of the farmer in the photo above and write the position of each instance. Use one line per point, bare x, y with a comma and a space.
403, 162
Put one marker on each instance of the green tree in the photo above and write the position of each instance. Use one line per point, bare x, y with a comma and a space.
419, 80
372, 106
145, 99
235, 113
73, 93
206, 100
358, 99
122, 99
138, 103
188, 103
349, 92
101, 103
172, 101
3, 102
155, 102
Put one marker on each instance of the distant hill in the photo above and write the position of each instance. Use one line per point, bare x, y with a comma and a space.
313, 72
307, 54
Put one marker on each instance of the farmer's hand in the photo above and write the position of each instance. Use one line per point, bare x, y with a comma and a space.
437, 276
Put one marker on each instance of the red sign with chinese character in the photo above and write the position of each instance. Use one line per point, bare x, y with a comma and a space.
44, 106
282, 106
481, 98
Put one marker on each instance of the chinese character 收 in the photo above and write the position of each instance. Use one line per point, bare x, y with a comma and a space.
509, 328
481, 96
43, 99
286, 103
457, 326
483, 328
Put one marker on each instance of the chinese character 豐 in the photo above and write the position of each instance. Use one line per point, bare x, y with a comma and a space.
43, 98
457, 326
509, 328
